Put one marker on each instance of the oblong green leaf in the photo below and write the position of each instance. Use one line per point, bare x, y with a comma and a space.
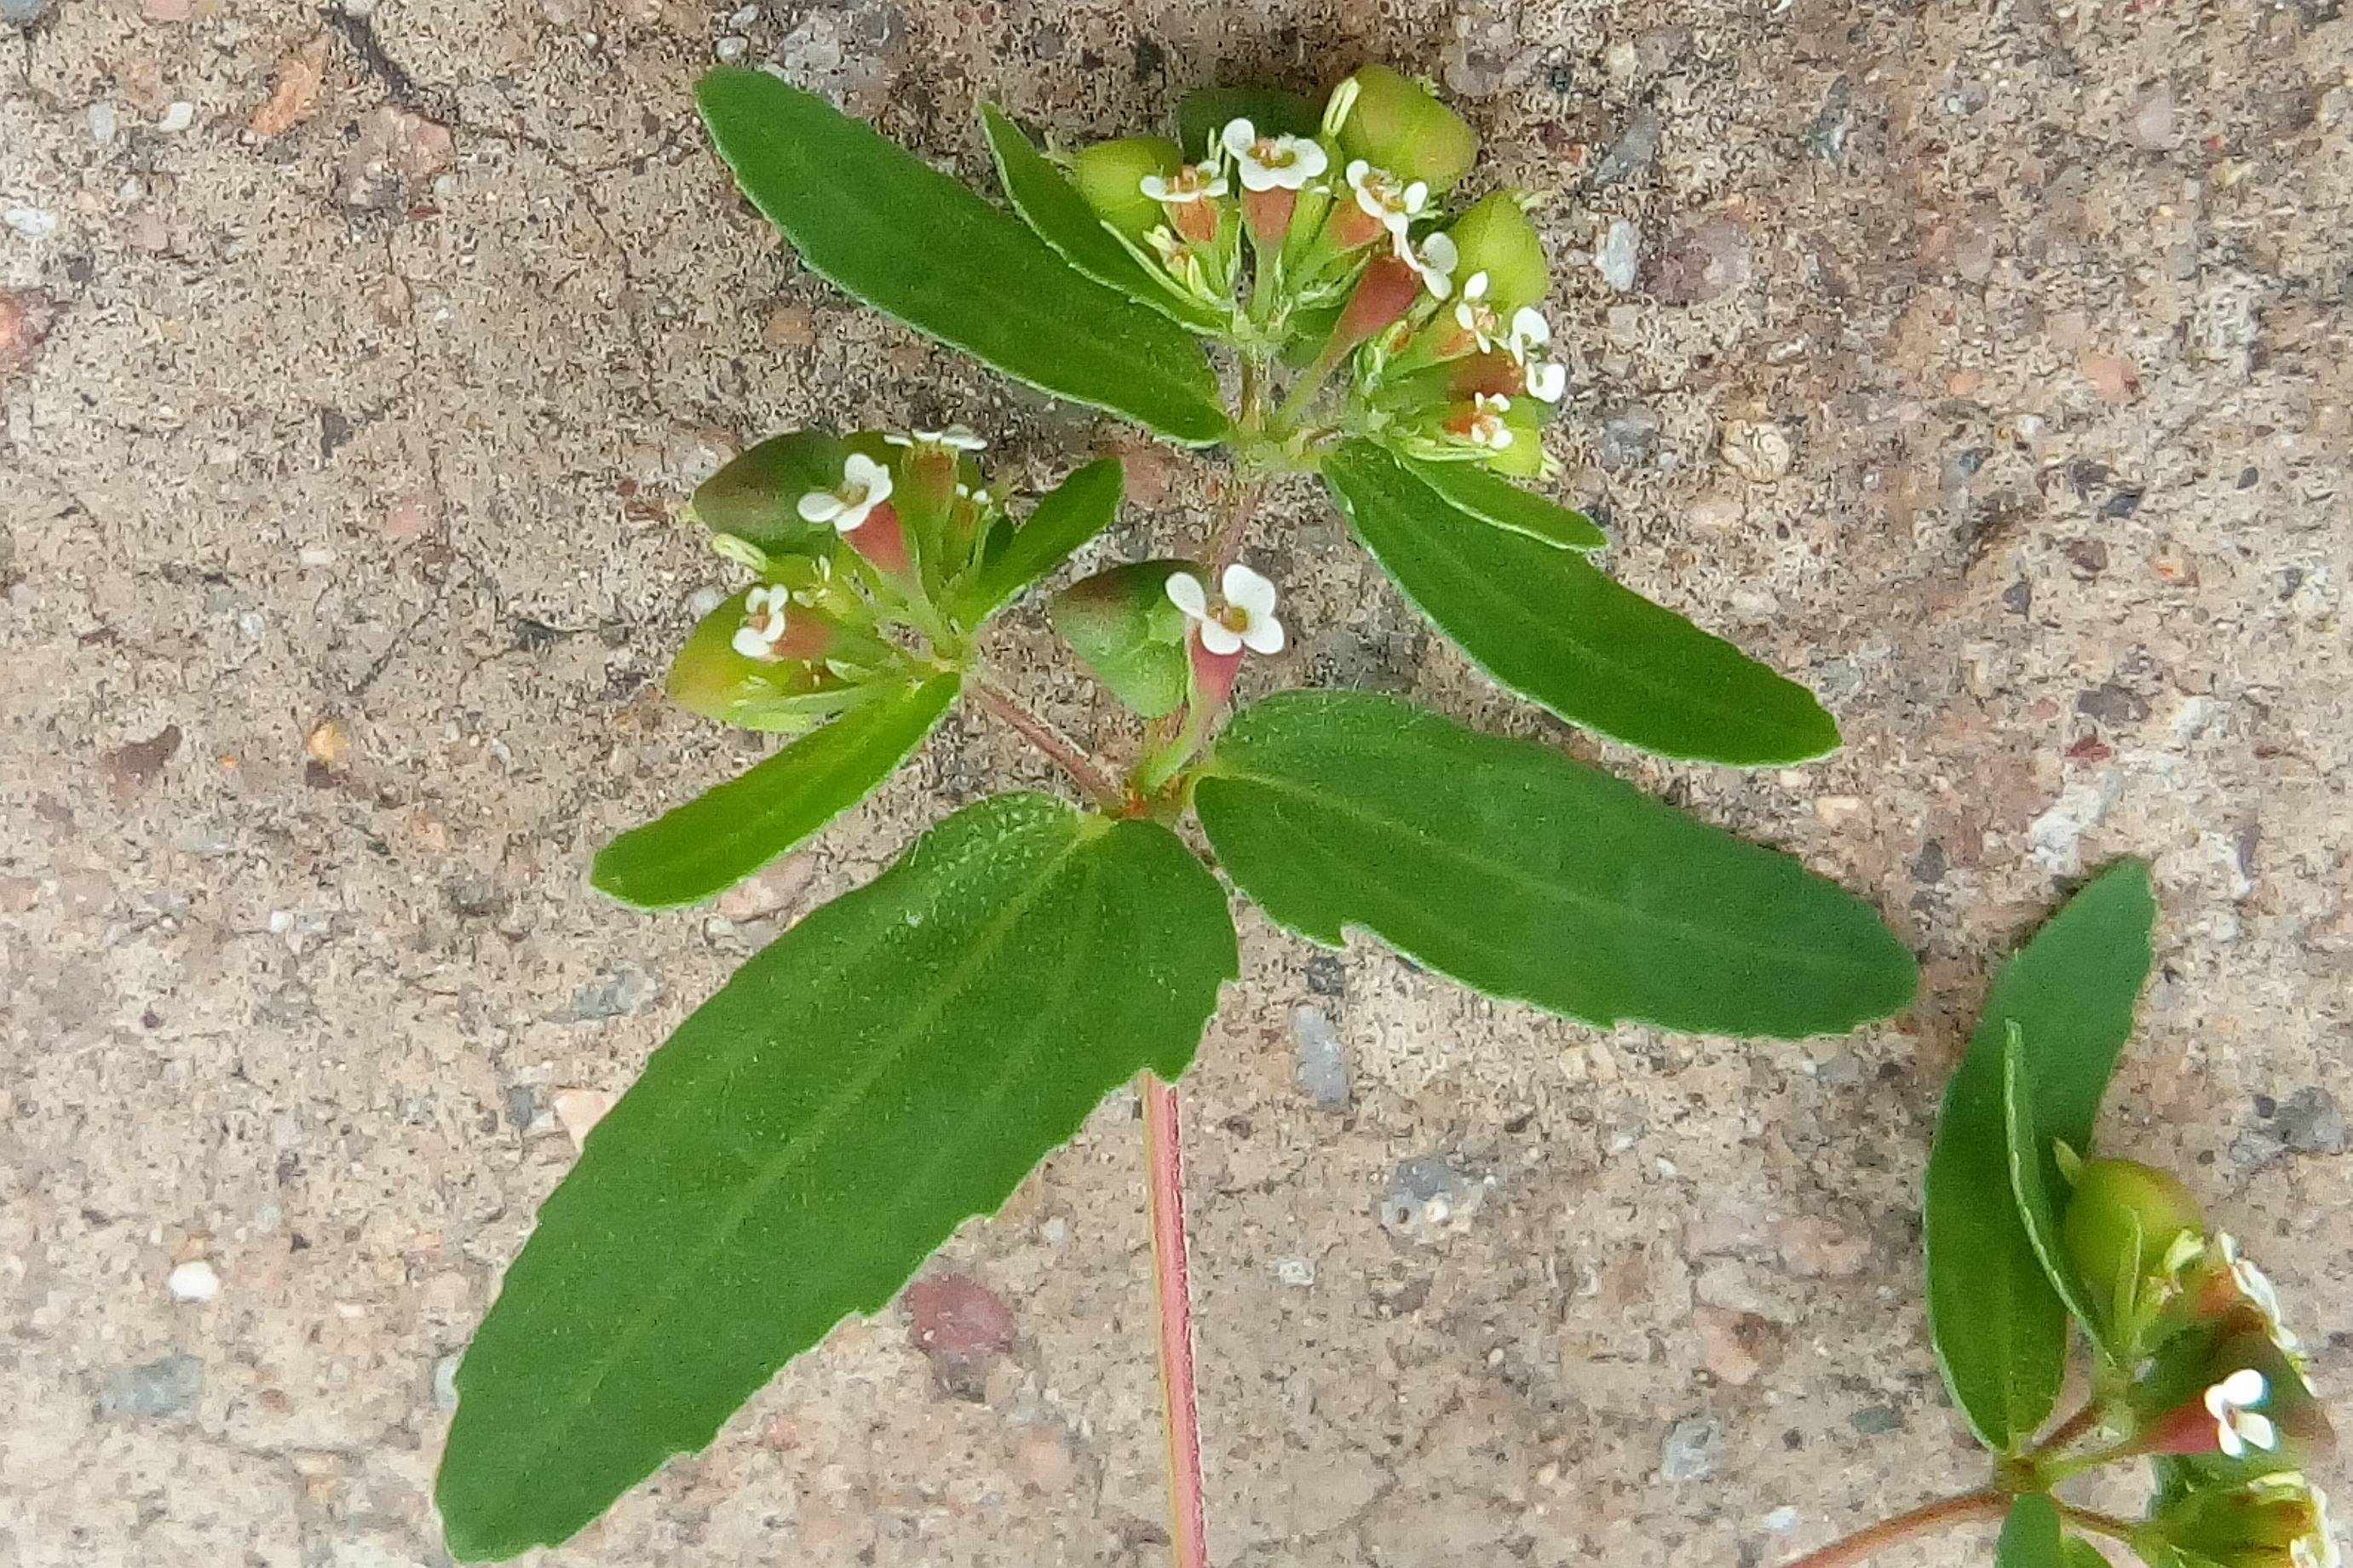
1072, 512
1998, 1327
871, 217
1052, 204
1490, 497
1525, 874
891, 1066
1272, 112
1545, 624
2031, 1536
2034, 1177
725, 834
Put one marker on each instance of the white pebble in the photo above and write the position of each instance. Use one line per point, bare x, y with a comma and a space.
1298, 1272
102, 123
30, 223
1615, 259
1784, 1517
177, 117
703, 601
743, 19
732, 49
194, 1281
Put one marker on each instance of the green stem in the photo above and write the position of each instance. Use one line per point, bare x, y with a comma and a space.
2106, 1524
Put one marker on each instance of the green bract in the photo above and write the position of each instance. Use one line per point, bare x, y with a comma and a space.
894, 1063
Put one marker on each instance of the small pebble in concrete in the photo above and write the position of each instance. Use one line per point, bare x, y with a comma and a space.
177, 117
1618, 254
1323, 1059
194, 1281
1628, 435
1297, 1272
166, 1386
2311, 1123
1635, 149
1427, 1194
1689, 1453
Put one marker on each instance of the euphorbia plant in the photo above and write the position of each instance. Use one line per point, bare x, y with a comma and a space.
2032, 1240
900, 1059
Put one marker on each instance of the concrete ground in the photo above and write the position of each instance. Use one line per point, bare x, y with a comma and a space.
1984, 366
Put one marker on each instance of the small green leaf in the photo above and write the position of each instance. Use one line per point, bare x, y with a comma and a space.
1049, 203
888, 1067
1545, 624
1072, 512
1999, 1328
2031, 1535
725, 834
2034, 1176
1524, 875
2081, 1553
1127, 632
874, 219
1489, 499
1272, 112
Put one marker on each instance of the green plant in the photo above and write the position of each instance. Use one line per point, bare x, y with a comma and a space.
2030, 1240
899, 1060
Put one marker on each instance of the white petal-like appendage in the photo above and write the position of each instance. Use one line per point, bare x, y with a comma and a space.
1249, 591
1184, 590
1263, 635
1220, 640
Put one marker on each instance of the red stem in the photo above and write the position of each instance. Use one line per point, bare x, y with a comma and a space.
1180, 1411
1951, 1510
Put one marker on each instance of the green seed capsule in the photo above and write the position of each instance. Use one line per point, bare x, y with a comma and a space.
1396, 125
1496, 238
1110, 175
2123, 1220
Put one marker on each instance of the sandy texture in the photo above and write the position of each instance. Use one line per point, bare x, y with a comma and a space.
1984, 366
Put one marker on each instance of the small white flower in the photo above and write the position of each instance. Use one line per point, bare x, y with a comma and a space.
1379, 194
865, 485
1529, 330
764, 623
1271, 163
1474, 315
2238, 1424
1192, 183
1486, 426
1242, 616
1435, 264
955, 437
1548, 379
2257, 1288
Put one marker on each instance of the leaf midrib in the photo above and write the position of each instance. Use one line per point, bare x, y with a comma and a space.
1735, 717
789, 1156
1507, 870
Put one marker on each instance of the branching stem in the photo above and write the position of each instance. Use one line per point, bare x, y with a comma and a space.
1225, 542
1173, 1291
1941, 1515
1067, 754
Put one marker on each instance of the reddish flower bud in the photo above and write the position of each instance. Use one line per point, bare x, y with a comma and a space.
1213, 674
882, 540
1269, 213
1386, 291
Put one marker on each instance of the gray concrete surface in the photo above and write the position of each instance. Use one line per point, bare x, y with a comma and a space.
1987, 365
